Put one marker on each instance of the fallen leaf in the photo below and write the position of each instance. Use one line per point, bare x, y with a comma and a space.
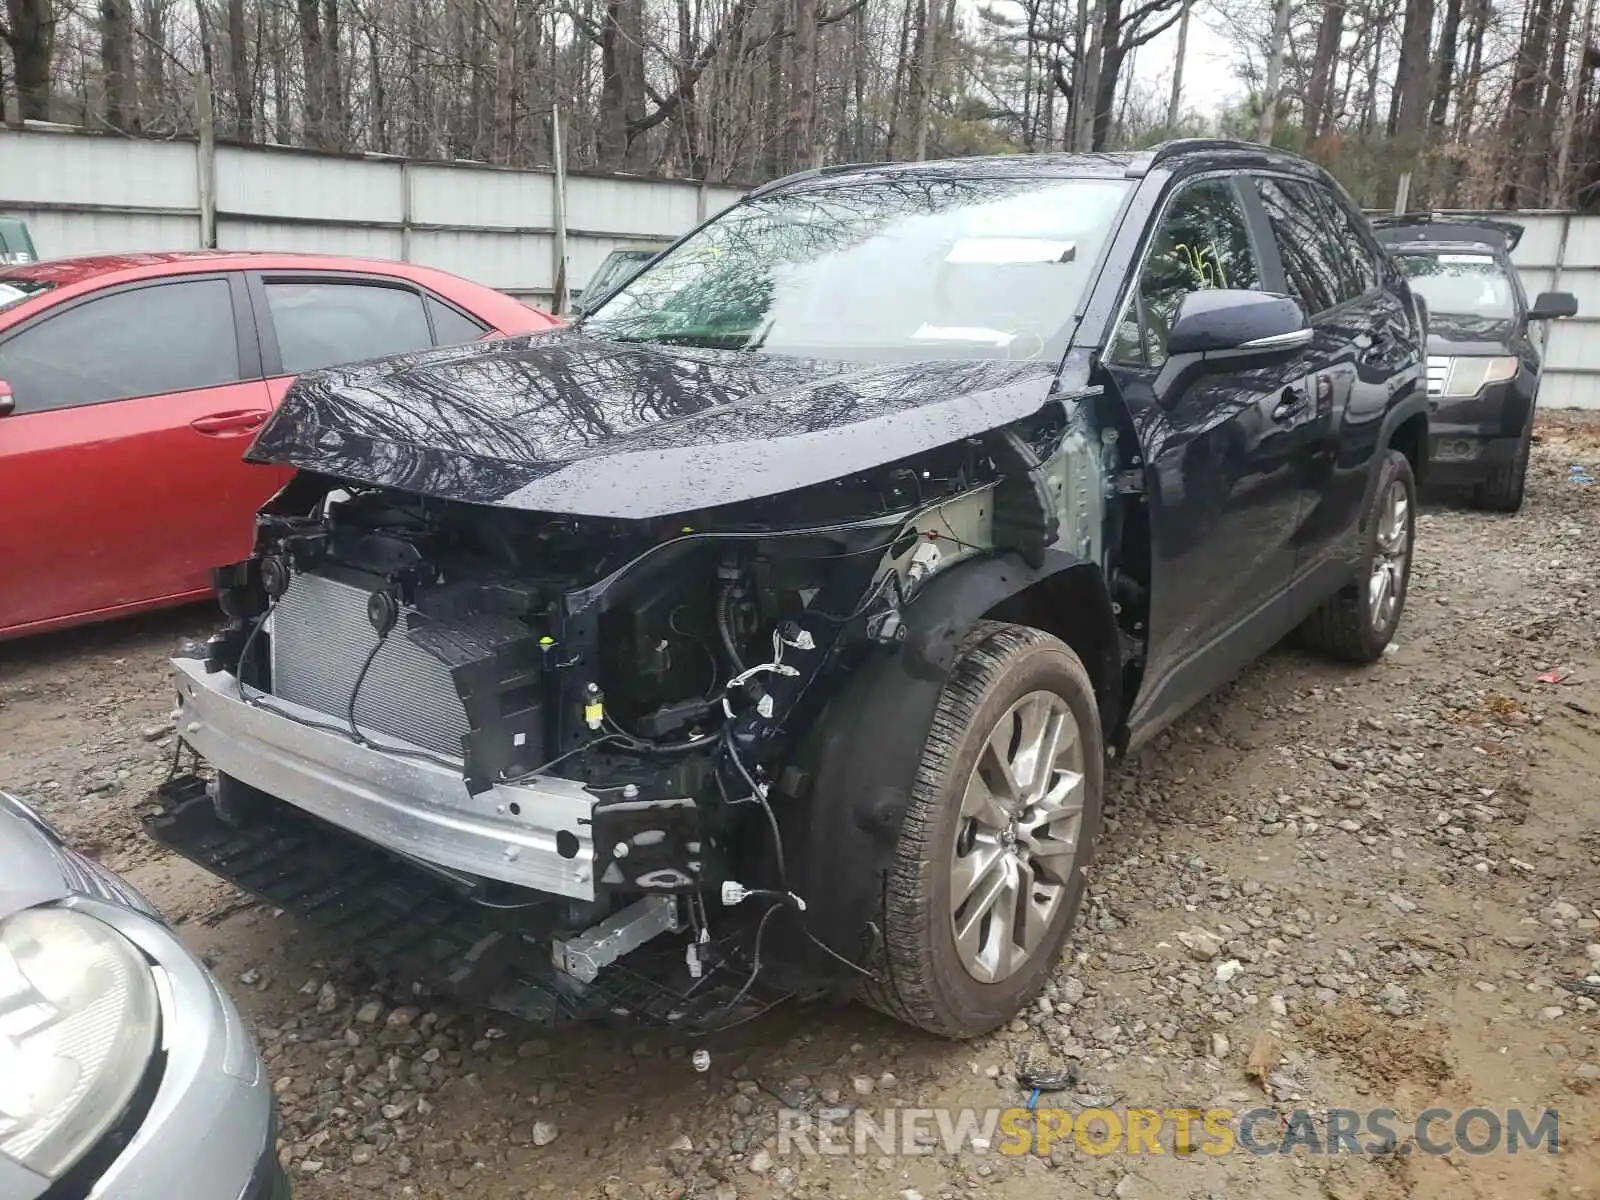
1263, 1057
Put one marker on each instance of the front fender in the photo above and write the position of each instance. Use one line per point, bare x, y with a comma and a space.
851, 782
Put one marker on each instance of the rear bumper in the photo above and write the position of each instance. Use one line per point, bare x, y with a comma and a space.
535, 835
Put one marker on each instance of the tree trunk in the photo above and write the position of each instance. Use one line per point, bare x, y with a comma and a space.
1563, 190
244, 116
800, 133
1174, 103
1524, 104
1085, 60
118, 78
31, 27
1319, 91
1269, 94
919, 80
333, 107
1471, 72
622, 96
1445, 64
901, 89
1537, 162
416, 117
316, 87
858, 61
380, 100
153, 96
282, 108
1411, 79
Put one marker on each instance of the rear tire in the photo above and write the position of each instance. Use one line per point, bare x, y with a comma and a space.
1357, 624
1502, 490
986, 817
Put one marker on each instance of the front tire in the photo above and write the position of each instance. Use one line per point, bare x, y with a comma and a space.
1503, 488
988, 872
1357, 624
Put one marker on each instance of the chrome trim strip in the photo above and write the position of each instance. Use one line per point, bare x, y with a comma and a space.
411, 806
1280, 341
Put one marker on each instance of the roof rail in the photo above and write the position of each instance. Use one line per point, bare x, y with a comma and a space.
1191, 144
815, 173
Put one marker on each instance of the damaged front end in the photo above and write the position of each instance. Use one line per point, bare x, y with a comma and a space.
544, 757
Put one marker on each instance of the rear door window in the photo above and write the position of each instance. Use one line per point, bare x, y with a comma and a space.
1312, 260
1357, 269
322, 323
142, 341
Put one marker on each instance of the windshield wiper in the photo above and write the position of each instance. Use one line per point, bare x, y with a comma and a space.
699, 341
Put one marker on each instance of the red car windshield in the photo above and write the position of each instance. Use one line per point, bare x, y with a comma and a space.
14, 290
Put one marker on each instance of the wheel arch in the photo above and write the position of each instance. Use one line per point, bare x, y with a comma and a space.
843, 796
1405, 428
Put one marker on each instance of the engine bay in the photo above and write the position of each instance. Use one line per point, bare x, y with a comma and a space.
624, 705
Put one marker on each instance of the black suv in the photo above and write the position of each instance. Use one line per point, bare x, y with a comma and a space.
768, 630
1483, 368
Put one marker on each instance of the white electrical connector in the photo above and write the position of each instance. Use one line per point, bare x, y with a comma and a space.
734, 892
923, 562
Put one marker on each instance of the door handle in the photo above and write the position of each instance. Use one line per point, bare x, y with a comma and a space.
1292, 401
230, 422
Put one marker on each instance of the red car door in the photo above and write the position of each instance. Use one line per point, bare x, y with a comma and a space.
121, 476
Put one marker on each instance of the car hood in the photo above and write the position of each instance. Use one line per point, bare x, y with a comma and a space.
561, 422
30, 868
1462, 333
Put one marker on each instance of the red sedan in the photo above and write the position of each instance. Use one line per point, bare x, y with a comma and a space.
130, 386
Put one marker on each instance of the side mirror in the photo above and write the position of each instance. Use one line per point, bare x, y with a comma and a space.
1553, 306
8, 402
1233, 323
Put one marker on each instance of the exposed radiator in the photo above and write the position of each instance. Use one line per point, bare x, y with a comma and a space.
320, 638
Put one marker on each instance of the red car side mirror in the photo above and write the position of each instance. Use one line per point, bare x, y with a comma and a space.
8, 402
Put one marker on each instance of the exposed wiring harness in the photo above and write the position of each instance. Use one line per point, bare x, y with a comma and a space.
733, 893
355, 689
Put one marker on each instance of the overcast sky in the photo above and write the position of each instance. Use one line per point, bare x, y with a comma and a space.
1208, 79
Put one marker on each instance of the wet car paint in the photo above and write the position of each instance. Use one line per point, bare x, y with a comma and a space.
567, 423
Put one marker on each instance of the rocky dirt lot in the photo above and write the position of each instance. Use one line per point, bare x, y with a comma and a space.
1325, 888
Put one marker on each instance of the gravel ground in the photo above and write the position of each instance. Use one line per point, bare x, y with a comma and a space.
1325, 887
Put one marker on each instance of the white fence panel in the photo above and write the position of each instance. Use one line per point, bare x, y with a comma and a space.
275, 183
103, 232
86, 193
110, 172
485, 199
519, 262
358, 241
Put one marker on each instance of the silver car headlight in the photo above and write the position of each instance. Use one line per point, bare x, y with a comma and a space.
79, 1019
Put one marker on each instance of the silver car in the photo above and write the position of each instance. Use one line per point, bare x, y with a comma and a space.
125, 1073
